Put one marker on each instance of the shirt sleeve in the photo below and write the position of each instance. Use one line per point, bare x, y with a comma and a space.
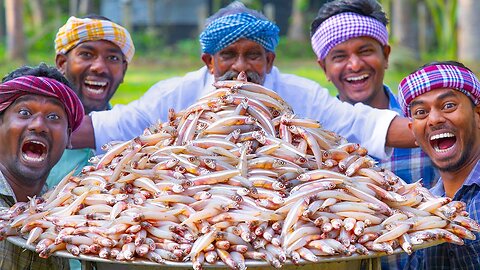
359, 123
124, 122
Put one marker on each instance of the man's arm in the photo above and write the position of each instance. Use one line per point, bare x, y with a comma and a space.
84, 137
399, 135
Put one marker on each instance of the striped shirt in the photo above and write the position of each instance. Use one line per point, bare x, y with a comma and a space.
450, 256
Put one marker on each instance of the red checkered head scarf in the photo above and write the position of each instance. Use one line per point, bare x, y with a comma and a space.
436, 77
24, 85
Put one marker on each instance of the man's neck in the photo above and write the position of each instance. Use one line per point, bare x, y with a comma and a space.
453, 181
381, 100
21, 190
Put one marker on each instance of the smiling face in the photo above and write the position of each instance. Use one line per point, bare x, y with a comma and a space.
33, 136
242, 55
96, 69
446, 126
356, 67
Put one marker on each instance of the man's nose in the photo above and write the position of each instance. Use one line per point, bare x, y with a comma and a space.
354, 62
240, 64
99, 65
435, 117
38, 124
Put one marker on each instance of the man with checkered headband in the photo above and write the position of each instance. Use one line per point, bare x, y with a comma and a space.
350, 39
442, 100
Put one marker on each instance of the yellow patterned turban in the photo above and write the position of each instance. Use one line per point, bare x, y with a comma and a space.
76, 31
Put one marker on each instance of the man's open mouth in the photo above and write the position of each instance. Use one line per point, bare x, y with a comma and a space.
443, 142
34, 151
95, 87
357, 79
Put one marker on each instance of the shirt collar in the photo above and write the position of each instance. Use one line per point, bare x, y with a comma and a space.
5, 188
473, 178
393, 104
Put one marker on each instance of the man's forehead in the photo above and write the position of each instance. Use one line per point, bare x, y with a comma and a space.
95, 45
35, 98
243, 44
354, 44
436, 94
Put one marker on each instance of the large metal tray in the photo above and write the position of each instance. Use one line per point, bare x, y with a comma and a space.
19, 241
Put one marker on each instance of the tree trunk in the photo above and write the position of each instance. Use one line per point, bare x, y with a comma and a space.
73, 7
296, 30
127, 14
404, 26
2, 23
85, 7
38, 12
15, 35
469, 33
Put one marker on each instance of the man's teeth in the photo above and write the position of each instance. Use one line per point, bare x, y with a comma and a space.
358, 78
34, 159
438, 150
95, 83
442, 135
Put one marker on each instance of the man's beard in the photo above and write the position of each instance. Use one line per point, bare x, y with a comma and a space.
232, 75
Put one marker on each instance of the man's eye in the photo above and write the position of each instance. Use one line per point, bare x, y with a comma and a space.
114, 58
419, 113
53, 116
227, 55
24, 112
85, 54
449, 106
254, 56
366, 52
338, 57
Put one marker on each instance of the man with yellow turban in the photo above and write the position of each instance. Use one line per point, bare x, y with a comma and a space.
93, 53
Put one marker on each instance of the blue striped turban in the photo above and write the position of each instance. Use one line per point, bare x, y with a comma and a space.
228, 29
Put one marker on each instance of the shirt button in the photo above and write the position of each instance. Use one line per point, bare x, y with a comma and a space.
451, 253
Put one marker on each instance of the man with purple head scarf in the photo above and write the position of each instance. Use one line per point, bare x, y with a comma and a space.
442, 99
38, 112
238, 39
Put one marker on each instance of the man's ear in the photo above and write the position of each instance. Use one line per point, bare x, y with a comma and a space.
208, 60
69, 140
476, 110
270, 60
60, 62
410, 128
386, 53
125, 67
322, 65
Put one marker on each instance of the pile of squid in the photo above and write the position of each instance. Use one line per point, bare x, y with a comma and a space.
237, 176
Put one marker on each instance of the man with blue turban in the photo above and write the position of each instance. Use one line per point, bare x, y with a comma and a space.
239, 39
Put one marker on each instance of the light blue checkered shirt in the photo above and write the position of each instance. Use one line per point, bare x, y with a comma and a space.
450, 256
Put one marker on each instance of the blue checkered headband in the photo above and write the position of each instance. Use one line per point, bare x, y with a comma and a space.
437, 77
344, 26
228, 29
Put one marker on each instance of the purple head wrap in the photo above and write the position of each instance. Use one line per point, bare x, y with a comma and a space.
436, 77
344, 26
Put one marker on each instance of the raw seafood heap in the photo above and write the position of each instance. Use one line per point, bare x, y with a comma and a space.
235, 176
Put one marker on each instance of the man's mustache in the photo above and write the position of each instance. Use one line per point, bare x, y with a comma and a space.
232, 75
